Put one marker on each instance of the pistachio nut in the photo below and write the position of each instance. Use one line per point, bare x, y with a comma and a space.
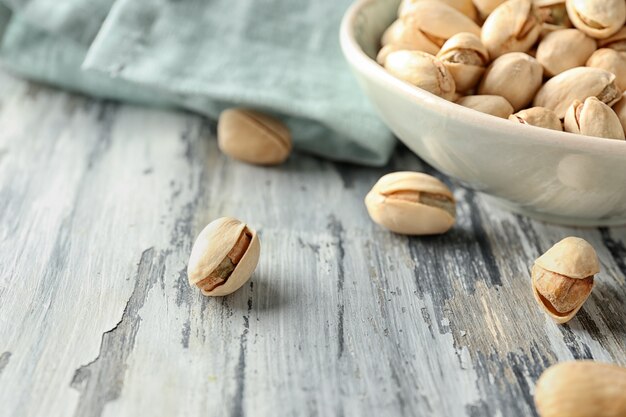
582, 389
552, 14
537, 116
466, 58
381, 57
411, 203
422, 70
514, 26
593, 118
562, 278
223, 257
464, 6
429, 25
597, 18
253, 137
620, 110
616, 41
516, 76
485, 7
564, 49
612, 61
494, 105
578, 83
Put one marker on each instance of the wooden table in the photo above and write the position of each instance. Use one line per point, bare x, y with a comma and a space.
100, 204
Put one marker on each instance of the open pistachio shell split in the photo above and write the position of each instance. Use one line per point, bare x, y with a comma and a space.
593, 118
464, 6
513, 27
564, 49
612, 61
422, 70
562, 278
494, 105
597, 18
515, 76
538, 116
465, 57
485, 7
560, 91
553, 15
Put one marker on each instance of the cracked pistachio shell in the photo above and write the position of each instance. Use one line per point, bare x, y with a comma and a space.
597, 18
577, 84
465, 57
516, 76
564, 49
485, 7
616, 41
513, 27
581, 389
464, 6
593, 118
553, 15
573, 257
411, 203
428, 27
612, 61
620, 110
223, 257
421, 70
538, 116
494, 105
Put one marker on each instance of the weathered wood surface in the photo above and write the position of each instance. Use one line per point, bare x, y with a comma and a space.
99, 206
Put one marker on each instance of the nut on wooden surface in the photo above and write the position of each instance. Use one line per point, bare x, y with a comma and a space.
582, 389
223, 257
563, 277
253, 137
411, 203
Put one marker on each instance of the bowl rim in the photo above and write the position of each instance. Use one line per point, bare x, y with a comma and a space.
355, 55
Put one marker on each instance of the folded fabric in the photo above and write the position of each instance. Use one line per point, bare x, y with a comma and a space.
279, 56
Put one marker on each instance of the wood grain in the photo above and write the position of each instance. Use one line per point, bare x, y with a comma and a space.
99, 206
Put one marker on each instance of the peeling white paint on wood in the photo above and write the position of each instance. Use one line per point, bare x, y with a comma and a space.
99, 206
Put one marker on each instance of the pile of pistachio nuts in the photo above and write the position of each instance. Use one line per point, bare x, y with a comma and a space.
557, 64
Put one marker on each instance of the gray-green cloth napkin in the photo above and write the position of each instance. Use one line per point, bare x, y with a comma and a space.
280, 56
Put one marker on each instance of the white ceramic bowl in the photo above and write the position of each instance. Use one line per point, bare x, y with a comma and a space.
554, 176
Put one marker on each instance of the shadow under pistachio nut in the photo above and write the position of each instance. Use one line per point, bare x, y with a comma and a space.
582, 389
494, 105
538, 116
223, 257
620, 110
466, 58
485, 7
253, 137
616, 41
564, 49
421, 70
563, 277
593, 118
516, 76
597, 18
612, 61
514, 26
577, 84
429, 25
464, 6
411, 203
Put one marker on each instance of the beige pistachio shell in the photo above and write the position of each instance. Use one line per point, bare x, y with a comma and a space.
553, 15
465, 57
564, 49
538, 116
597, 18
402, 35
616, 41
577, 83
411, 203
485, 7
464, 6
386, 50
513, 27
515, 76
421, 70
620, 110
253, 137
593, 118
612, 61
494, 105
573, 257
212, 247
581, 389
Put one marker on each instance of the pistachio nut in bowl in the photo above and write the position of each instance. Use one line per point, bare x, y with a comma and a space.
549, 174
